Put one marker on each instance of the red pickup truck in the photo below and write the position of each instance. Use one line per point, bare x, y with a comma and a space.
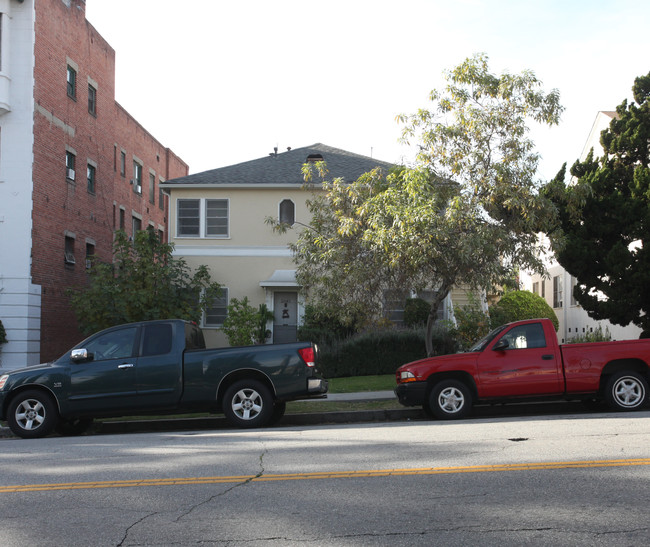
523, 360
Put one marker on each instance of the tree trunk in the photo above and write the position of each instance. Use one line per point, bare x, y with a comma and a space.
441, 294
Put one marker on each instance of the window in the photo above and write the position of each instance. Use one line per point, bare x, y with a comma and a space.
161, 196
136, 224
116, 344
70, 161
90, 253
543, 282
287, 212
216, 215
536, 287
557, 292
525, 337
157, 339
90, 175
123, 163
92, 100
189, 220
394, 301
217, 313
69, 250
72, 82
194, 219
137, 177
152, 188
574, 282
121, 218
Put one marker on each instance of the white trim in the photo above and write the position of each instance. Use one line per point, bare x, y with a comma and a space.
256, 185
232, 251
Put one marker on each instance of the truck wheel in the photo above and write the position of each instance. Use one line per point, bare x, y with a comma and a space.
71, 428
32, 414
626, 391
450, 400
279, 409
248, 403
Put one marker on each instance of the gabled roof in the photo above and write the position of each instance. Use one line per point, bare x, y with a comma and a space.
285, 168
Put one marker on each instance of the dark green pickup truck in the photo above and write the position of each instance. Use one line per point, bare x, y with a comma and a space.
157, 367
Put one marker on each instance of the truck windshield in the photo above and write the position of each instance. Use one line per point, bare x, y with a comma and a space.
483, 342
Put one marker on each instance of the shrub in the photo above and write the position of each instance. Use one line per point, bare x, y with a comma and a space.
244, 325
380, 351
3, 334
472, 324
596, 336
416, 312
322, 327
519, 305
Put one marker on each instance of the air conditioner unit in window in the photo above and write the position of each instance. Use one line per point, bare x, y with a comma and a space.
138, 189
69, 173
69, 258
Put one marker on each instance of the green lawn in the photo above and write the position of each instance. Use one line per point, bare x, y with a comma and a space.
385, 382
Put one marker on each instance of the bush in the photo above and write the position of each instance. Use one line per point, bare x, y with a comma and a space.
519, 305
3, 334
472, 324
596, 336
244, 325
322, 327
380, 352
416, 312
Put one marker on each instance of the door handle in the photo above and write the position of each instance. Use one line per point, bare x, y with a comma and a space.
126, 365
548, 357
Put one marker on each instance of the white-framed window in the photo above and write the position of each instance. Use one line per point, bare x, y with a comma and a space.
215, 315
202, 218
287, 212
557, 291
216, 218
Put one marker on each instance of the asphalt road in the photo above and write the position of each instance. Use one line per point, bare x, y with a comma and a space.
570, 479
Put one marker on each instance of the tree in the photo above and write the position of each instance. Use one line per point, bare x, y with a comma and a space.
464, 214
143, 282
602, 235
520, 305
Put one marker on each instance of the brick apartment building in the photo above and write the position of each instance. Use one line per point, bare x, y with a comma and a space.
74, 167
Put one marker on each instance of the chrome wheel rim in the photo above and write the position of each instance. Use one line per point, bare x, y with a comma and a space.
247, 404
451, 400
30, 414
628, 392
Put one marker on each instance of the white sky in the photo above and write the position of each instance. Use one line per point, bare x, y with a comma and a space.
225, 81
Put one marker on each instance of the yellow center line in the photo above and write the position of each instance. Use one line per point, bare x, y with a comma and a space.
325, 475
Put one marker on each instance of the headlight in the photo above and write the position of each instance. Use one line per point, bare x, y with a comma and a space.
407, 376
3, 380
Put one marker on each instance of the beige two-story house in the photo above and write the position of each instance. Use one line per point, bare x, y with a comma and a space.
218, 218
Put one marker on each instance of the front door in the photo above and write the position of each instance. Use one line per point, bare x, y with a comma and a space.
285, 317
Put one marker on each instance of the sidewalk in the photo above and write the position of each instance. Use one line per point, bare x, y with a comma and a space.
219, 422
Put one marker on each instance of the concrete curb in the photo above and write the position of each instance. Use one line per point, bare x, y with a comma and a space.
220, 423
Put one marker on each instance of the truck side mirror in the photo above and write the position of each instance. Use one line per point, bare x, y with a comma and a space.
501, 345
79, 355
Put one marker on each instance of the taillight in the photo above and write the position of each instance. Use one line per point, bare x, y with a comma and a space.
3, 380
308, 356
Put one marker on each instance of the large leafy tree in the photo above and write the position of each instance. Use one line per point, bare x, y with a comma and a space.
465, 213
603, 232
143, 282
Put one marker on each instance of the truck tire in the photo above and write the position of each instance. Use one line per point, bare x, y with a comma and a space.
450, 400
626, 391
32, 414
279, 409
247, 404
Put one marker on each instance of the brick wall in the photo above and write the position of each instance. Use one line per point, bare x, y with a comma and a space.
62, 206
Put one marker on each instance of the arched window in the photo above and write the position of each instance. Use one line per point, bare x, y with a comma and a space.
287, 212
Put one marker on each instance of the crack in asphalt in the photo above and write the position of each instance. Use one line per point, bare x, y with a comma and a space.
204, 502
227, 490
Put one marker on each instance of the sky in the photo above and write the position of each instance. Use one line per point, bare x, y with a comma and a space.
222, 82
